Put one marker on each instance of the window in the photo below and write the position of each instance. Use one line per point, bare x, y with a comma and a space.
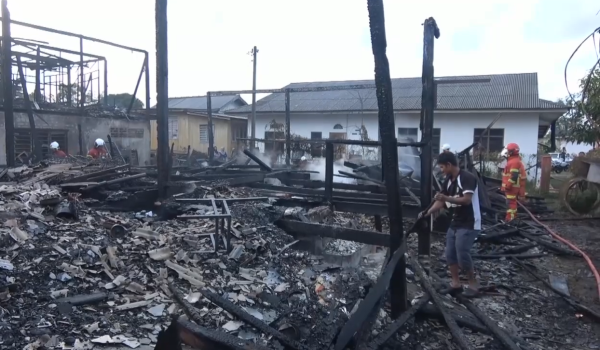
173, 128
24, 143
408, 133
237, 132
204, 133
127, 133
316, 149
338, 127
435, 140
494, 139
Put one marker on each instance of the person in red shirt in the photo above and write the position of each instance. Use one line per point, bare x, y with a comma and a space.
98, 151
56, 151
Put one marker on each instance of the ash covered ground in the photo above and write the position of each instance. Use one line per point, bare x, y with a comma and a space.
86, 284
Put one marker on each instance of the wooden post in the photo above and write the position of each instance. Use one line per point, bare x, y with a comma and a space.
546, 171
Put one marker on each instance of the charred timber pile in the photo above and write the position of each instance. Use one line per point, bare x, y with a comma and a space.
226, 264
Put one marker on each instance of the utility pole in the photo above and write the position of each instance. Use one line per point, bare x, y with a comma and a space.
253, 118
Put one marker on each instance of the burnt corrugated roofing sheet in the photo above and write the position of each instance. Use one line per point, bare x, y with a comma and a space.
199, 102
503, 91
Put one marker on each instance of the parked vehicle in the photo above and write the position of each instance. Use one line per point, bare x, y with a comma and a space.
559, 166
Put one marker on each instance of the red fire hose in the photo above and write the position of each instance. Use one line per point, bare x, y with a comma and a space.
571, 245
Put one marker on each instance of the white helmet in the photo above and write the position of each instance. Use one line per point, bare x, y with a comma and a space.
54, 145
99, 142
504, 153
303, 158
446, 147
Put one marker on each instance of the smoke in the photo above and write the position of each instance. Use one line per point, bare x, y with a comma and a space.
409, 156
318, 164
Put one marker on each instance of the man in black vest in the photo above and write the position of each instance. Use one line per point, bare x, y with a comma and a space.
459, 194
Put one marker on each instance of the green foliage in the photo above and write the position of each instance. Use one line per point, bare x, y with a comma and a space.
582, 123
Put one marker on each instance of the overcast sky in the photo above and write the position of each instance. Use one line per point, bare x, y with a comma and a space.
321, 40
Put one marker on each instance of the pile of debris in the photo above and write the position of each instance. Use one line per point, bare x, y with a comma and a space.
218, 271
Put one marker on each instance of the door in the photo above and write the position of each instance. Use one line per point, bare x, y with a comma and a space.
339, 151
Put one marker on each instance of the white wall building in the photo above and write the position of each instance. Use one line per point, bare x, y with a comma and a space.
463, 111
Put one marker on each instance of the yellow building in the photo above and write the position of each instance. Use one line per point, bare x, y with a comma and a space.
190, 128
188, 123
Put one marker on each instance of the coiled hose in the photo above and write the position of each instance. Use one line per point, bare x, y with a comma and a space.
571, 245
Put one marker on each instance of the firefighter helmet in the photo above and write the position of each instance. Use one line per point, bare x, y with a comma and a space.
99, 142
512, 149
54, 145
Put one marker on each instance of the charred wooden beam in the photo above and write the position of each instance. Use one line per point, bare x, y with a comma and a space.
97, 173
7, 86
368, 305
37, 142
251, 320
115, 181
389, 149
395, 326
205, 339
262, 164
498, 332
428, 105
507, 256
457, 334
548, 245
304, 229
497, 235
570, 300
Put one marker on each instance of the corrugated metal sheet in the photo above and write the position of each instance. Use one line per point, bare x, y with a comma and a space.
199, 102
504, 91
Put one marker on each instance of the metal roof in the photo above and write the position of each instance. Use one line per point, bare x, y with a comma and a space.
199, 102
503, 91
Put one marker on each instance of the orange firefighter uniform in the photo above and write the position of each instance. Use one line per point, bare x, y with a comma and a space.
513, 179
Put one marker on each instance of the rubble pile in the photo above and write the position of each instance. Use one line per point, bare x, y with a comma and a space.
77, 273
104, 279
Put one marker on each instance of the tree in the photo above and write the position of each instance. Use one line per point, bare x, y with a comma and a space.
63, 93
582, 123
123, 100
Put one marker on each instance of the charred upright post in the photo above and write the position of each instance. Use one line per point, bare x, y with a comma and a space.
9, 118
147, 69
37, 92
211, 137
389, 150
137, 86
329, 171
162, 96
37, 142
253, 121
81, 77
288, 136
428, 103
105, 82
69, 94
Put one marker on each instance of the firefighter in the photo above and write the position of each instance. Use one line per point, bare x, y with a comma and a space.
56, 151
98, 151
513, 179
446, 148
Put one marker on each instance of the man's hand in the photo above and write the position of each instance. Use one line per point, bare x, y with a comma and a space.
440, 197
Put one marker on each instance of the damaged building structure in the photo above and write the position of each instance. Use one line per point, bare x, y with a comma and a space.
59, 94
254, 254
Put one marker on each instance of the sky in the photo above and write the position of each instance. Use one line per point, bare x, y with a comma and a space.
320, 40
